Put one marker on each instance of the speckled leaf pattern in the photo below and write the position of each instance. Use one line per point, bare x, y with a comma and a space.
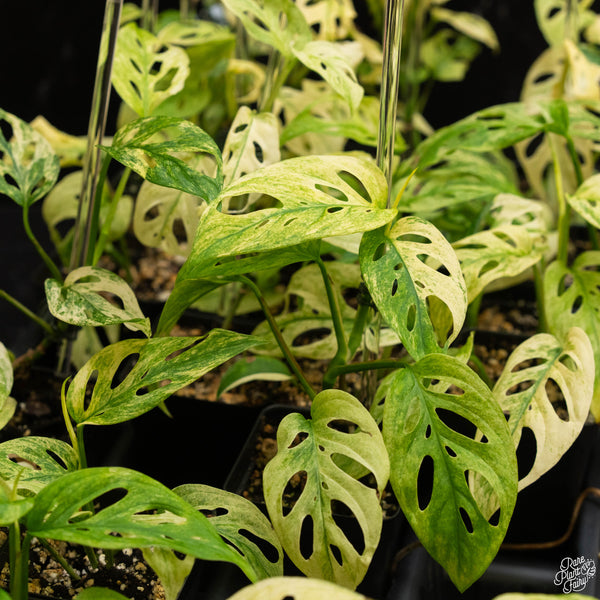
295, 588
175, 524
82, 300
402, 271
265, 20
429, 436
6, 374
505, 251
35, 462
28, 166
236, 517
147, 71
525, 392
153, 147
333, 62
586, 200
323, 450
252, 143
511, 209
571, 299
133, 376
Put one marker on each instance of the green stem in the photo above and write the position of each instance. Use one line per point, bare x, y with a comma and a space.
277, 64
575, 160
358, 329
60, 560
20, 574
480, 368
291, 360
473, 311
369, 365
563, 207
538, 278
105, 231
67, 418
54, 270
38, 320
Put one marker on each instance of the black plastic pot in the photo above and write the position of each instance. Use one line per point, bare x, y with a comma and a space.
218, 581
542, 514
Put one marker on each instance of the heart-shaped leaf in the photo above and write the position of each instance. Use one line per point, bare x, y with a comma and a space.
402, 269
547, 386
586, 200
504, 251
241, 523
341, 432
147, 71
133, 376
571, 300
296, 588
81, 300
141, 512
429, 435
28, 166
153, 148
252, 143
35, 462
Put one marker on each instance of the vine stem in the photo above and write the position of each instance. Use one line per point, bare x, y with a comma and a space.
26, 311
54, 270
287, 353
563, 207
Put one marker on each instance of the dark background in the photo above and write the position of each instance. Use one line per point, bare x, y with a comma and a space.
48, 53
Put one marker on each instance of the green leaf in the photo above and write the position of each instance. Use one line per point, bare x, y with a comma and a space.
329, 60
11, 510
534, 370
174, 524
262, 368
81, 300
99, 593
171, 569
35, 462
147, 71
152, 147
322, 455
28, 166
428, 434
133, 376
298, 588
505, 251
571, 300
402, 271
241, 523
277, 23
586, 200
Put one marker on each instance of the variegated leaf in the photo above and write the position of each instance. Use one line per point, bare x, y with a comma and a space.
241, 523
81, 300
403, 271
547, 386
330, 19
147, 71
586, 200
470, 24
571, 299
554, 19
296, 588
430, 435
70, 149
28, 166
7, 404
321, 456
511, 209
504, 251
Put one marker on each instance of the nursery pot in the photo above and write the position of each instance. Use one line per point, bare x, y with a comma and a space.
218, 581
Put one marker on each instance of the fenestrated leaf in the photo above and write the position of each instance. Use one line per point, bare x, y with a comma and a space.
262, 368
133, 376
504, 251
512, 209
554, 20
547, 386
277, 23
35, 462
586, 200
147, 71
81, 300
429, 436
153, 148
469, 24
571, 300
330, 61
28, 166
174, 525
241, 523
329, 19
402, 271
322, 455
172, 570
298, 588
252, 143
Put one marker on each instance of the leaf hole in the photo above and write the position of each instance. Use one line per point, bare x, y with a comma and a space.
258, 152
557, 400
181, 351
380, 251
336, 553
450, 452
343, 426
428, 432
24, 462
425, 482
124, 369
394, 287
214, 512
576, 304
110, 498
526, 452
490, 265
311, 336
533, 144
270, 552
344, 518
456, 422
57, 459
292, 491
306, 537
464, 515
356, 184
411, 317
298, 439
332, 192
